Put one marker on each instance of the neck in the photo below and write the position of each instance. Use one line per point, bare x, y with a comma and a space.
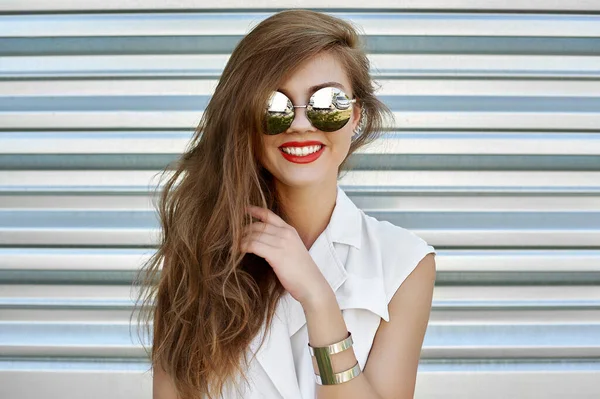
308, 208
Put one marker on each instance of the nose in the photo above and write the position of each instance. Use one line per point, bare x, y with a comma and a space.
301, 122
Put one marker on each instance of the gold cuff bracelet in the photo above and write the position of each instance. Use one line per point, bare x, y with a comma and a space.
333, 348
326, 375
338, 378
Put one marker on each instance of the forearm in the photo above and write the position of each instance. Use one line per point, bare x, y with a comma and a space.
326, 325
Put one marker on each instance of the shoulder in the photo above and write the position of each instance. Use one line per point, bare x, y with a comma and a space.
400, 249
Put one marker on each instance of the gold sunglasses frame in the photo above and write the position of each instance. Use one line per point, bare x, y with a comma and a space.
350, 100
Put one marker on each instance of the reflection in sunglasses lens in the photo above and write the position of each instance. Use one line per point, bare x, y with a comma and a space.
328, 110
280, 113
331, 109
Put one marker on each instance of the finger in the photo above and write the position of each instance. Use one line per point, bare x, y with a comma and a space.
262, 227
256, 247
269, 239
266, 215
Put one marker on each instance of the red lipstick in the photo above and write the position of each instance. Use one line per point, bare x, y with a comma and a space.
302, 158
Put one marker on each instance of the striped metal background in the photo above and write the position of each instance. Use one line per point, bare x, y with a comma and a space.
495, 161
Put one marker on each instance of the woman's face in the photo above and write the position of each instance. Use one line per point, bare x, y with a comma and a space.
299, 170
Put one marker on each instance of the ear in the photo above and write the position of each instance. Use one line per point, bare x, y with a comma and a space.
356, 114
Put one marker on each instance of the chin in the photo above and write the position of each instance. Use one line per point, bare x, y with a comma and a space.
299, 179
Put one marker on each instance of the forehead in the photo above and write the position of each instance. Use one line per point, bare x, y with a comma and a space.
320, 69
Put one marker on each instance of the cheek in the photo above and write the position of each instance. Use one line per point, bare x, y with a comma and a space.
340, 145
343, 138
269, 143
268, 151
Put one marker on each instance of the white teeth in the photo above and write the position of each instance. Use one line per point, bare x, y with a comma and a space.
301, 151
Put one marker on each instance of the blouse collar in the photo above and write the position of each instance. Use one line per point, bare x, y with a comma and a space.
345, 224
358, 284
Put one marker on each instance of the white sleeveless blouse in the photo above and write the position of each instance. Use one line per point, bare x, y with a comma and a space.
364, 260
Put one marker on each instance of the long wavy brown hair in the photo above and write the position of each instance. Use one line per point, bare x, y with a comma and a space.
205, 298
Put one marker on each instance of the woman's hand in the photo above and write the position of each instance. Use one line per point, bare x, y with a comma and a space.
280, 245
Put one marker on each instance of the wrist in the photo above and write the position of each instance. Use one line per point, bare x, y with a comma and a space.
321, 296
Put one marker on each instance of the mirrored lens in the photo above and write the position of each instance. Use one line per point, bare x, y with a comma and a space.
280, 113
329, 109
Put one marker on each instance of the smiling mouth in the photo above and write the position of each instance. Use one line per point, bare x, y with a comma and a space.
302, 155
301, 151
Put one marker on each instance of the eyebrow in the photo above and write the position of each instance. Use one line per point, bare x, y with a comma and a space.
314, 88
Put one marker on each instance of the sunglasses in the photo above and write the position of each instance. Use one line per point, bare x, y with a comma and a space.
328, 109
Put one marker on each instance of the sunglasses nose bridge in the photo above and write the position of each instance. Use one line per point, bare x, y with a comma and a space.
304, 115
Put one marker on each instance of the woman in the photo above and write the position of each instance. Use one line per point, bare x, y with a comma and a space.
256, 232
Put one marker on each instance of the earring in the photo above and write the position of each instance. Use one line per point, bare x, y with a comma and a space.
361, 124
